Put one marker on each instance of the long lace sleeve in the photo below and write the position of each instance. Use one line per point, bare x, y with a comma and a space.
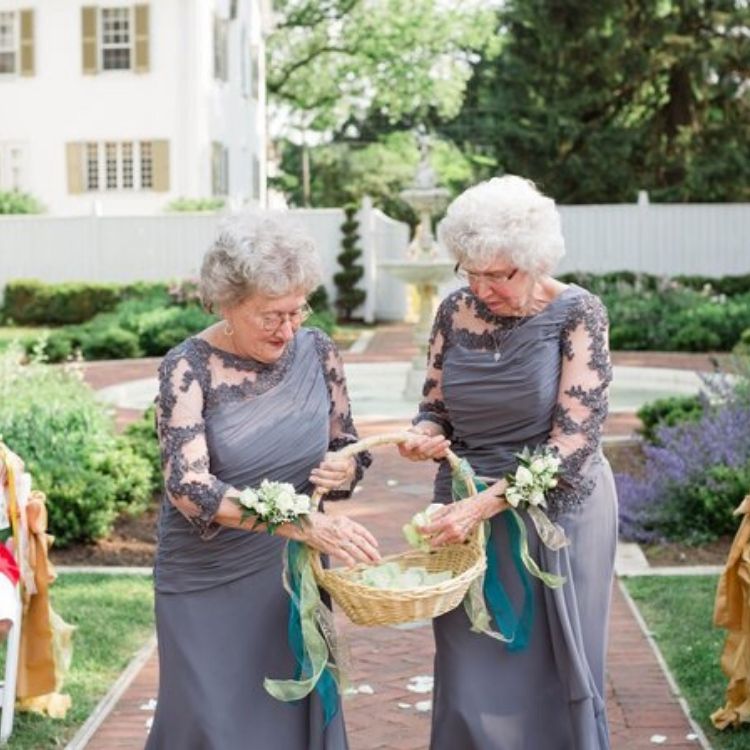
432, 407
342, 431
189, 484
582, 401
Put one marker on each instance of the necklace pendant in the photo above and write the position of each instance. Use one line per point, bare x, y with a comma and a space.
496, 356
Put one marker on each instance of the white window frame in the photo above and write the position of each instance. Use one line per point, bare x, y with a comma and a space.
130, 45
140, 164
14, 172
221, 48
245, 64
219, 169
15, 48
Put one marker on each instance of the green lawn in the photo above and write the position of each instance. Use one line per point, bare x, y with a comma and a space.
679, 611
114, 618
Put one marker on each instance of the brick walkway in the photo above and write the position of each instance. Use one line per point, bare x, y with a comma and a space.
639, 700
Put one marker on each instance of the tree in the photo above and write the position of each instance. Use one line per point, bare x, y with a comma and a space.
343, 172
595, 101
349, 296
334, 61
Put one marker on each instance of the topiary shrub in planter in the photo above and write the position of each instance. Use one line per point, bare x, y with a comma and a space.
89, 474
349, 297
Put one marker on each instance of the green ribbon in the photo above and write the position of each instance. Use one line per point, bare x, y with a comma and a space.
513, 630
310, 648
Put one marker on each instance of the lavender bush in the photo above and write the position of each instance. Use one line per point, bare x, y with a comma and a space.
695, 473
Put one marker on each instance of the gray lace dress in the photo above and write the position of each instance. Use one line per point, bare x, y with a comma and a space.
221, 611
495, 385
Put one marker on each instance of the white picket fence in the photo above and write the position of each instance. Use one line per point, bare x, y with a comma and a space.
710, 239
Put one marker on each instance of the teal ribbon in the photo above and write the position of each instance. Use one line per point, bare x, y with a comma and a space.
515, 629
312, 671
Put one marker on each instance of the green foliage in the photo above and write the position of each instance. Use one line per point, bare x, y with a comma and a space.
332, 62
318, 300
110, 343
162, 328
343, 172
15, 202
743, 345
668, 411
658, 314
31, 302
678, 611
702, 510
53, 420
143, 440
594, 103
323, 320
349, 296
190, 205
149, 326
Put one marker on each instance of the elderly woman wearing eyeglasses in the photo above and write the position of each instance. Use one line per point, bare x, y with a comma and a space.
252, 397
520, 360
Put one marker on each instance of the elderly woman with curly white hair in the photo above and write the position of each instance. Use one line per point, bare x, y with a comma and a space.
520, 360
254, 396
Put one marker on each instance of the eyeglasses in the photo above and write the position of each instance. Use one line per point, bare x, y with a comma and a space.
489, 278
272, 321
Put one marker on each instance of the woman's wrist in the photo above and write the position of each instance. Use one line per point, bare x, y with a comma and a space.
492, 503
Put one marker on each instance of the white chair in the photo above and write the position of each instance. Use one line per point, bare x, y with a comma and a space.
8, 686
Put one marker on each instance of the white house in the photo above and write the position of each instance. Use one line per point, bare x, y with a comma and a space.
118, 107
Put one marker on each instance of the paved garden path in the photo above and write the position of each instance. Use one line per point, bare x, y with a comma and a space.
384, 713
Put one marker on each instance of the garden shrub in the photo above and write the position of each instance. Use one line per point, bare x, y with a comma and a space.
161, 329
742, 348
692, 475
31, 302
181, 205
53, 420
144, 442
668, 412
16, 202
323, 320
318, 300
110, 343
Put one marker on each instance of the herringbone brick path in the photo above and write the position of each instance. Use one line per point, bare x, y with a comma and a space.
639, 701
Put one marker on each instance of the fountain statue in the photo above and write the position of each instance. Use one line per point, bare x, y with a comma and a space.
426, 265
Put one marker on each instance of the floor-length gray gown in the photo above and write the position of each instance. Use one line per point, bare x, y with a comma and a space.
221, 610
497, 384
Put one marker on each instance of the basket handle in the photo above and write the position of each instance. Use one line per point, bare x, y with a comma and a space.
389, 438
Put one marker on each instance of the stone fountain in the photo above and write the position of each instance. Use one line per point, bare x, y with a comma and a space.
426, 265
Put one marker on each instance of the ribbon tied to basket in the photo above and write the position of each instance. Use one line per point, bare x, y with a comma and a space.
319, 655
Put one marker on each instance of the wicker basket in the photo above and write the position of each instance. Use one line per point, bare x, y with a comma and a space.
366, 605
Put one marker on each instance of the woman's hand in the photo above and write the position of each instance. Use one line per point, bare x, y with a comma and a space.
341, 538
454, 523
425, 444
333, 472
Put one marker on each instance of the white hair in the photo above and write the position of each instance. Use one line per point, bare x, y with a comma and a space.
258, 253
504, 218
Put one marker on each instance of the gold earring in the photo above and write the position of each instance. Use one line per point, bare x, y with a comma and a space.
228, 330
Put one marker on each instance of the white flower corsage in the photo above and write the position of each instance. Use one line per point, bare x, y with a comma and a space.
527, 490
273, 504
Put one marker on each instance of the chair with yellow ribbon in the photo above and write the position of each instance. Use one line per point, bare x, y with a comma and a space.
39, 651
